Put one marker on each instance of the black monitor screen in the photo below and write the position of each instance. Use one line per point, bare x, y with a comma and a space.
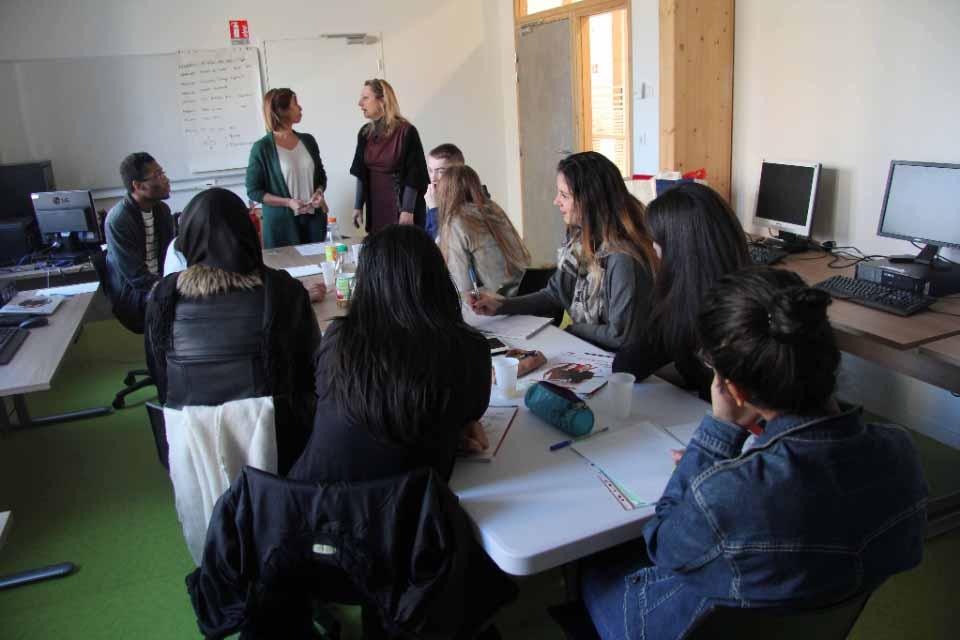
922, 202
17, 182
785, 193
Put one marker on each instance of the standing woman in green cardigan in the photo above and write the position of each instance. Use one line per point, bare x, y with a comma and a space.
389, 164
286, 175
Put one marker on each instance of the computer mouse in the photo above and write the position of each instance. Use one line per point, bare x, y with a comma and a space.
31, 323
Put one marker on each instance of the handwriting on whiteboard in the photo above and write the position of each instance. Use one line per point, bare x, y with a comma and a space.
219, 93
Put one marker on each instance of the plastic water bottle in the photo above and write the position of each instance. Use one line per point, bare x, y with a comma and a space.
333, 234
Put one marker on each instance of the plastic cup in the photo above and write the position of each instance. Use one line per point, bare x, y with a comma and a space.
506, 372
621, 393
355, 252
329, 273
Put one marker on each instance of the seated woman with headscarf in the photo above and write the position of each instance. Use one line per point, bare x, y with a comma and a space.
229, 328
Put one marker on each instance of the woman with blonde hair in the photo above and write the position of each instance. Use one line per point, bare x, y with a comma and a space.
604, 276
388, 163
286, 175
475, 234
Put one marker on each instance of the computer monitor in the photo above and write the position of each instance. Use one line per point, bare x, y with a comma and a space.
921, 203
68, 214
18, 181
785, 200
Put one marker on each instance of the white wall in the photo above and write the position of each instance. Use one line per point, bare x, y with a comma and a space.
852, 84
645, 41
446, 58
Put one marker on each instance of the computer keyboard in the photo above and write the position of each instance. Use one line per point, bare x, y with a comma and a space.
761, 254
876, 296
10, 340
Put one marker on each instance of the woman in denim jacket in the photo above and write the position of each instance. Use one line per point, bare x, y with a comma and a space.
820, 507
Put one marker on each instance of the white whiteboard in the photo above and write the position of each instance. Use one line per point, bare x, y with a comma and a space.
86, 114
327, 75
220, 96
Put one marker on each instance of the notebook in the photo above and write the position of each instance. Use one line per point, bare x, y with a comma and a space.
26, 302
496, 423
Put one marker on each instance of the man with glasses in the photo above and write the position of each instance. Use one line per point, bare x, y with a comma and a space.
138, 230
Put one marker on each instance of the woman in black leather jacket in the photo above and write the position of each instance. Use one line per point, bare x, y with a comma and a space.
228, 327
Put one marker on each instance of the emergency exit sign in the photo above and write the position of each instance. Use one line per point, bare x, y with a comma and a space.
239, 32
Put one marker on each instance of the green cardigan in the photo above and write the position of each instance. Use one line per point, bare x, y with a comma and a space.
280, 226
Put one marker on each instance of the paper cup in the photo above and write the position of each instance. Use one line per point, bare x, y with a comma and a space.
329, 273
621, 393
505, 370
355, 252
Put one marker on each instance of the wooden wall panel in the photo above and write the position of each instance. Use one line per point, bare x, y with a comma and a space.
696, 88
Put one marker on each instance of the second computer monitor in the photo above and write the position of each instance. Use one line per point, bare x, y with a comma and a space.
786, 196
65, 212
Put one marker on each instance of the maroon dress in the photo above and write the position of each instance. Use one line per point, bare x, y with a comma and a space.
382, 156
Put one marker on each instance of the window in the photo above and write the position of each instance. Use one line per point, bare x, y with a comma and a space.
605, 86
526, 7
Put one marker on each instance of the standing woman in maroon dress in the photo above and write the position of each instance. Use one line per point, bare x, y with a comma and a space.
389, 163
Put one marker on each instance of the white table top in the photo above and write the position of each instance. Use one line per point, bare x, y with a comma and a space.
40, 355
535, 509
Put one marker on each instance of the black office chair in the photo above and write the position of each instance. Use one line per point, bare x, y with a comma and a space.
832, 622
535, 279
130, 381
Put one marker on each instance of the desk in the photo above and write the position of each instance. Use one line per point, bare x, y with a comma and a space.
284, 257
534, 509
34, 365
915, 346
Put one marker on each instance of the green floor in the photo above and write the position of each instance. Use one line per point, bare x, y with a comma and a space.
92, 492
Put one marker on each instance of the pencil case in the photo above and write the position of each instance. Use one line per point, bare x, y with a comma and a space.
561, 408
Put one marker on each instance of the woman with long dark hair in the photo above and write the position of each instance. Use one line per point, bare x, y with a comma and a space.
285, 173
475, 233
387, 404
388, 163
699, 239
820, 508
604, 274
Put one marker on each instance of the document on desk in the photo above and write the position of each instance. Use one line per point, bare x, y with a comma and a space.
70, 289
496, 423
304, 271
636, 458
509, 327
315, 249
581, 372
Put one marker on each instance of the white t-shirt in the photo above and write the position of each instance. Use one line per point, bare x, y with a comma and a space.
297, 168
174, 262
152, 264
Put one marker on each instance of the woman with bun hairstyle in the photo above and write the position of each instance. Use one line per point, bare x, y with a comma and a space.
285, 173
475, 233
821, 506
700, 239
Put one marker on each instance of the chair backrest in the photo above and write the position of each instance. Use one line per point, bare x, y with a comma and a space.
832, 622
534, 279
124, 312
159, 428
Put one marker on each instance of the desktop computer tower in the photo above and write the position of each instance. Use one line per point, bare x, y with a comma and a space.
942, 279
18, 237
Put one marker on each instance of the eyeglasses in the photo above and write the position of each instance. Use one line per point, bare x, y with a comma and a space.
157, 174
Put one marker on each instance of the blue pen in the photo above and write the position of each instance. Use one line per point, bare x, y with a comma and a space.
567, 443
473, 281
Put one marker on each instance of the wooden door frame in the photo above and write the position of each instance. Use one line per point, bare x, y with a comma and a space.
575, 13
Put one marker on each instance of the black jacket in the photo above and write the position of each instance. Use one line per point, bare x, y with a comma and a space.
130, 279
413, 171
242, 344
402, 545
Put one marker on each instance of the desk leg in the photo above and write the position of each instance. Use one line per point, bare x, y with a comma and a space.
5, 425
24, 419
